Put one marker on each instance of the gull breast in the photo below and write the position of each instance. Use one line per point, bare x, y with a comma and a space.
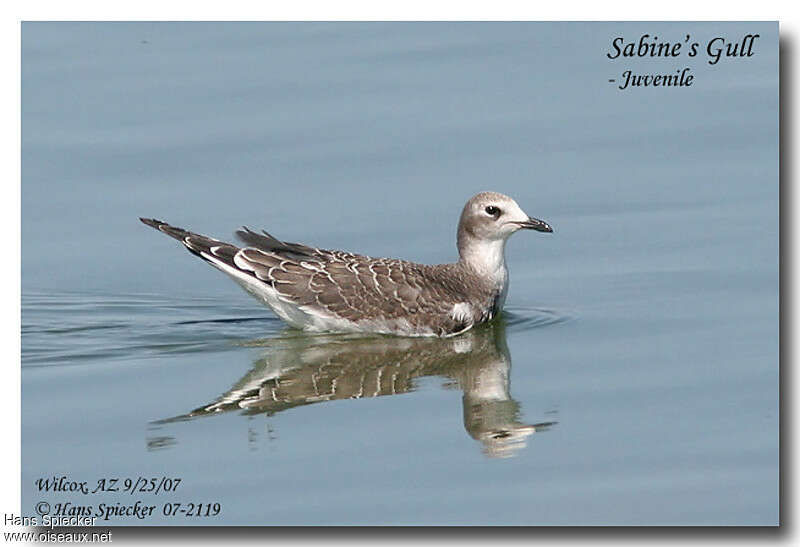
462, 311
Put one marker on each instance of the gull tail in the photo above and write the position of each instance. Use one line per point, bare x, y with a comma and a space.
206, 248
222, 256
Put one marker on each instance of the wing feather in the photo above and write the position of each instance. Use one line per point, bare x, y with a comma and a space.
339, 284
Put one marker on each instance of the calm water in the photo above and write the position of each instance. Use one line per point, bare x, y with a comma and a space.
633, 379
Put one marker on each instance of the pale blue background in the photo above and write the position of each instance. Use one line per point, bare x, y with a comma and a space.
661, 368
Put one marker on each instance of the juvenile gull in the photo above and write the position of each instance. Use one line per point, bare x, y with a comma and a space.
323, 290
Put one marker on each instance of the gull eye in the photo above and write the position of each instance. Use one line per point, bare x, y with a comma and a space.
492, 211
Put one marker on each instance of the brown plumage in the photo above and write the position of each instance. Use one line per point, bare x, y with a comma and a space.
327, 290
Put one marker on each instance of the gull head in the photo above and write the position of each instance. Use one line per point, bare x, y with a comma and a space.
487, 221
493, 216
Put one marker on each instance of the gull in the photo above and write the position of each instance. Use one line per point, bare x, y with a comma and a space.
320, 290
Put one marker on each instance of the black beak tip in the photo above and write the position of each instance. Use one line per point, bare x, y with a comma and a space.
538, 225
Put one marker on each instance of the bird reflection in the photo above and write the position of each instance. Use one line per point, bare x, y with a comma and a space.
300, 370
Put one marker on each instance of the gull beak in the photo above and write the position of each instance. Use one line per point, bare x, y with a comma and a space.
535, 224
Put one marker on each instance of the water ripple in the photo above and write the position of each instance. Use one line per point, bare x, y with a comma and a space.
66, 329
522, 319
60, 329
